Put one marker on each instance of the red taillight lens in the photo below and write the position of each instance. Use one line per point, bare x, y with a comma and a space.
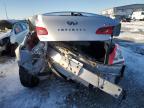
116, 56
41, 31
105, 30
112, 56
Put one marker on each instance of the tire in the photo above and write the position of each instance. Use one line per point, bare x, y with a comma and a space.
26, 79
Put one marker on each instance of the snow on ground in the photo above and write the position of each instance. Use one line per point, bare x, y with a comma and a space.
132, 37
133, 31
57, 93
134, 78
50, 93
136, 26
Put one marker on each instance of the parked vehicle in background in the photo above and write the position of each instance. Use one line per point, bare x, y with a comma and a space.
138, 15
73, 45
126, 19
4, 41
10, 37
19, 31
5, 33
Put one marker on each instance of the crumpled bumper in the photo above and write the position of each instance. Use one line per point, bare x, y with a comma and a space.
75, 70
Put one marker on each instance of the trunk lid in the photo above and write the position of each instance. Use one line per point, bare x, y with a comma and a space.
77, 27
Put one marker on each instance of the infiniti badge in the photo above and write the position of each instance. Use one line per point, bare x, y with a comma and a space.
72, 22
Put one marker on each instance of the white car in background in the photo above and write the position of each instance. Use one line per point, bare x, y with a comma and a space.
138, 15
5, 33
76, 46
11, 34
19, 31
4, 39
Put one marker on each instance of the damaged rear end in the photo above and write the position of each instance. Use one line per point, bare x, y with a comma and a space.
76, 46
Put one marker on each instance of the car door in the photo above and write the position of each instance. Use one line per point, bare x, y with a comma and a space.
20, 30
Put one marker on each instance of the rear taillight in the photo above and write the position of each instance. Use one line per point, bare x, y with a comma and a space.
41, 31
105, 30
116, 56
112, 56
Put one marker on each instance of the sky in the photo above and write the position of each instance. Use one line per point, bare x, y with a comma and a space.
24, 8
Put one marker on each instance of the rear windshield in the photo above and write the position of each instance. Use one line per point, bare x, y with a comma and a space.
69, 14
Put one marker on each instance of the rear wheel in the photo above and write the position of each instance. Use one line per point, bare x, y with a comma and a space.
26, 79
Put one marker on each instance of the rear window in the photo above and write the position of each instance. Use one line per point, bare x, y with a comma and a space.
18, 28
24, 27
69, 14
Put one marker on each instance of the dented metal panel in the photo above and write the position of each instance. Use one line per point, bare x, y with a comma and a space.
83, 74
27, 60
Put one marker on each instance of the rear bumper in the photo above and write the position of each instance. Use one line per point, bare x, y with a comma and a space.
100, 76
75, 70
87, 78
